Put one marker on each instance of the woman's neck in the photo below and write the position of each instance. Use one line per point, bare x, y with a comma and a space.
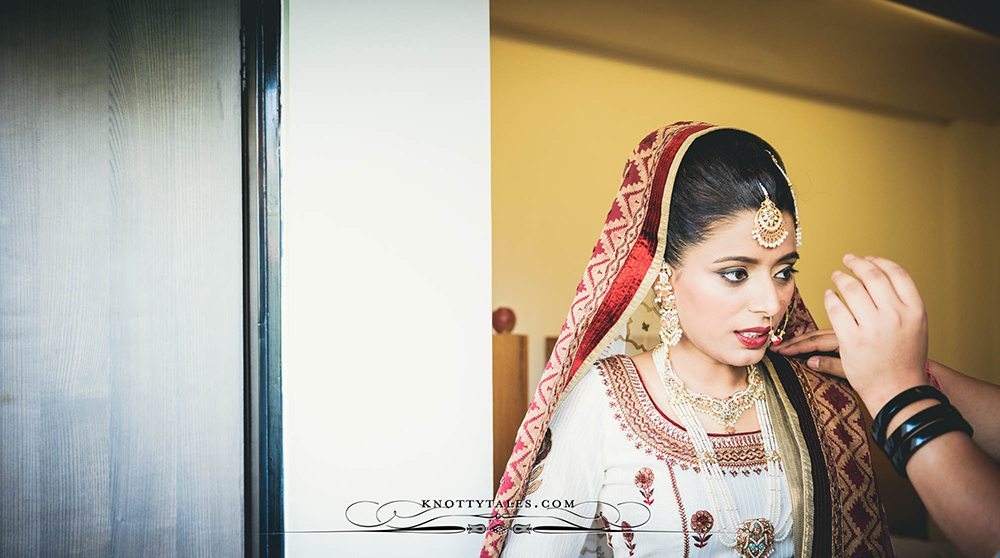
701, 373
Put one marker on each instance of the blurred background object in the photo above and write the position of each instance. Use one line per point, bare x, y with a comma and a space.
510, 387
503, 320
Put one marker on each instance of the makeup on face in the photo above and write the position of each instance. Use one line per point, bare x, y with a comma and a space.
730, 291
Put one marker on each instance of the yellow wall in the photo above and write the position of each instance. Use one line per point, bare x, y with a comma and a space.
922, 193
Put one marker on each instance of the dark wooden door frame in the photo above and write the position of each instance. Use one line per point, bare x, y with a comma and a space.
260, 39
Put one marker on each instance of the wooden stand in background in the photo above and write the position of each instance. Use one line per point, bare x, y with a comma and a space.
510, 395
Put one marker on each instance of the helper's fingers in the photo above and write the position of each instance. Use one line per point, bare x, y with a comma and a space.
874, 280
816, 344
789, 343
856, 297
788, 347
840, 316
826, 365
902, 283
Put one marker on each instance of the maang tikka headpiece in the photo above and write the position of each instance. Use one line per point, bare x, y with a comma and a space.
768, 223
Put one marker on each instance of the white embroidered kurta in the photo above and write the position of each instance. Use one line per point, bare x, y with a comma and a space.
612, 455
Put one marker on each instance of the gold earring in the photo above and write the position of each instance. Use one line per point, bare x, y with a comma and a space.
670, 323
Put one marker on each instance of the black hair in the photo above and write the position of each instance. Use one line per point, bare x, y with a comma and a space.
721, 175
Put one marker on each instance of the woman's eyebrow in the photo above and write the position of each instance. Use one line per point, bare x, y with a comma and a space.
794, 255
741, 259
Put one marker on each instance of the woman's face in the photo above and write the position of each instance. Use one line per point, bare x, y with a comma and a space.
728, 286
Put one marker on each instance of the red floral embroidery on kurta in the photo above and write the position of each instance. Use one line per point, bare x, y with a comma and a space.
629, 536
644, 482
702, 522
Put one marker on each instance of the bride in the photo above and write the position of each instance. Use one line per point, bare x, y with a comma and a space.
662, 425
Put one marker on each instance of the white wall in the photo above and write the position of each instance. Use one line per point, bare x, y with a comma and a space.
386, 266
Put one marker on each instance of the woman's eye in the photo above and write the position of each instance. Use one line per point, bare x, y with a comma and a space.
734, 275
786, 274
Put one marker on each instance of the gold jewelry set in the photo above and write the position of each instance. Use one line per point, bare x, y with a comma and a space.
725, 410
769, 231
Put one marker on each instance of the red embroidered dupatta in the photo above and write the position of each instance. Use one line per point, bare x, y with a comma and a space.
836, 471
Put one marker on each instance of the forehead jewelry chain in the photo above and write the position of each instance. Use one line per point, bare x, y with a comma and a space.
795, 203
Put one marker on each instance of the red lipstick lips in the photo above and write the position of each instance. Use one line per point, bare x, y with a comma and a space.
754, 337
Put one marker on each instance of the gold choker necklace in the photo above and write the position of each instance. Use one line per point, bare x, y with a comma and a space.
725, 410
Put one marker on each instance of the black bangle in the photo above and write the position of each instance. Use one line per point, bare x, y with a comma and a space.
920, 438
896, 404
920, 420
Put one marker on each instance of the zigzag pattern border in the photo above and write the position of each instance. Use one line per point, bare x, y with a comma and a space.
860, 527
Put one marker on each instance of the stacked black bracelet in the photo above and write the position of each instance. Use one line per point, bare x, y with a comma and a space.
919, 429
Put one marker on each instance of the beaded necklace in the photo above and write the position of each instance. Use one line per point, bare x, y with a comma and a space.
753, 538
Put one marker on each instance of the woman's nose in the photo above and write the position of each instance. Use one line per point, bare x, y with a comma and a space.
767, 299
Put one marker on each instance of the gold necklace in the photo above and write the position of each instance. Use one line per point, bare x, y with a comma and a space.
725, 410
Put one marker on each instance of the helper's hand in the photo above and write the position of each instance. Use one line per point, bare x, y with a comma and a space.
882, 327
819, 341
